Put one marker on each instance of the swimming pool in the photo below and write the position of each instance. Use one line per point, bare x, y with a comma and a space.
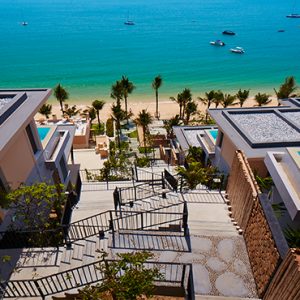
43, 131
214, 133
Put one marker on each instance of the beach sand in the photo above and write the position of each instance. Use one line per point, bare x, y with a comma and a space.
167, 108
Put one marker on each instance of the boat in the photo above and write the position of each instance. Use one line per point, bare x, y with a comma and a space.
281, 30
24, 23
238, 50
217, 43
228, 32
293, 16
129, 22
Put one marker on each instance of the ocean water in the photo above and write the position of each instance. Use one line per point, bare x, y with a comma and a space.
86, 47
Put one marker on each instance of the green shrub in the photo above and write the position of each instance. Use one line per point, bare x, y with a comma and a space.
142, 162
110, 127
145, 150
98, 130
133, 134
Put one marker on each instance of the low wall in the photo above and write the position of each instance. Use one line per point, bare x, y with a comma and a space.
264, 240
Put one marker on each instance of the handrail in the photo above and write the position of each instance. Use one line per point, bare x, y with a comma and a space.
178, 274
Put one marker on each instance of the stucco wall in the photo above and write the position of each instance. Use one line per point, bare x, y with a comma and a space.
228, 150
18, 160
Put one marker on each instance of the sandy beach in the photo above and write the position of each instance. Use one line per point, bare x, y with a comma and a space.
167, 108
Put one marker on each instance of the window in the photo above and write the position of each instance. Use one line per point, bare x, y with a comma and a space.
221, 139
31, 139
63, 167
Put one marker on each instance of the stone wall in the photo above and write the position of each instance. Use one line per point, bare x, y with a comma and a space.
247, 210
286, 282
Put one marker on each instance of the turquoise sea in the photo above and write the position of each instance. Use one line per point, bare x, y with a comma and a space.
86, 47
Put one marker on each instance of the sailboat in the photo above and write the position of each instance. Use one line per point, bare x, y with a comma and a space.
293, 16
129, 22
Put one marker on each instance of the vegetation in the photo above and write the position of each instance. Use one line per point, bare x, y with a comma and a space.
179, 101
142, 162
110, 127
208, 100
61, 95
156, 84
218, 98
127, 88
133, 134
90, 112
186, 98
32, 204
98, 130
262, 99
118, 115
127, 278
144, 119
168, 125
227, 100
292, 237
98, 105
117, 92
46, 110
190, 110
286, 89
242, 96
71, 111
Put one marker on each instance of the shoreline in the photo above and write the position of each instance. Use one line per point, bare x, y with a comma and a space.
167, 108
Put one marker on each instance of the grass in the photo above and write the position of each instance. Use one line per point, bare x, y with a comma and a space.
133, 134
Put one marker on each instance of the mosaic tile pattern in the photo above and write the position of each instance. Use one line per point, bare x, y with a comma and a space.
293, 116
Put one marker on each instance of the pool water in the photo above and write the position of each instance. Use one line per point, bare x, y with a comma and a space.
43, 131
214, 133
298, 153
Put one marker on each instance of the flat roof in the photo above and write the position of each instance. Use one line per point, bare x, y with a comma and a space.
190, 135
261, 129
17, 107
291, 102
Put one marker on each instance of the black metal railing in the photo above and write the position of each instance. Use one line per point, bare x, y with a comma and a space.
171, 180
94, 175
141, 175
173, 274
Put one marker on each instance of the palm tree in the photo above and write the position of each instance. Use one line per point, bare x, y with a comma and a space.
286, 89
178, 100
218, 98
186, 98
46, 110
119, 115
117, 92
71, 111
228, 100
128, 88
242, 96
168, 125
156, 84
90, 112
98, 105
262, 99
208, 100
61, 95
144, 119
190, 109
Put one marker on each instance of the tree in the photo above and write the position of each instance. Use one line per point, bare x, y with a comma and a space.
90, 112
71, 111
190, 109
46, 110
98, 105
286, 89
208, 100
168, 125
144, 119
186, 98
178, 100
242, 96
127, 278
195, 154
218, 98
117, 92
119, 115
227, 100
128, 88
156, 84
262, 99
61, 95
32, 204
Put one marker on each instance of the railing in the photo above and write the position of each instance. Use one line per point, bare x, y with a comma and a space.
141, 175
171, 180
94, 175
173, 274
95, 225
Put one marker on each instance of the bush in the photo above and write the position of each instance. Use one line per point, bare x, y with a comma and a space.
110, 127
142, 162
145, 150
133, 134
98, 130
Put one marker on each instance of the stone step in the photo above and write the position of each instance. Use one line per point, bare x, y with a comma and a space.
198, 227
